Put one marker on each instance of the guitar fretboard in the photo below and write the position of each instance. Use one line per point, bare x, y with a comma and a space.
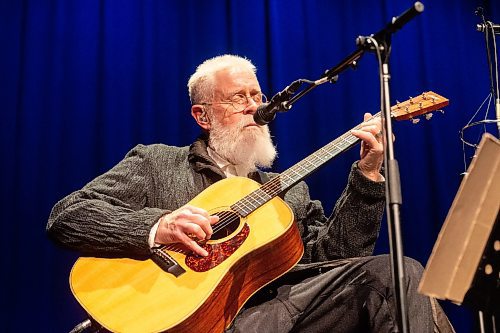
296, 173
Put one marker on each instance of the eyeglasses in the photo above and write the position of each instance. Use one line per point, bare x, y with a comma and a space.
240, 101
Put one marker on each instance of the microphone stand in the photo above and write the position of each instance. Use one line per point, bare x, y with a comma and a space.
381, 44
392, 179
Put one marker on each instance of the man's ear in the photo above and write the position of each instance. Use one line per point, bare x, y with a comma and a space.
200, 115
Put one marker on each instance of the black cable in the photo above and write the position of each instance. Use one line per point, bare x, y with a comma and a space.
480, 12
497, 95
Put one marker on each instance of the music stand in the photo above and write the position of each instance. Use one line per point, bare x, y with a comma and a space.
464, 264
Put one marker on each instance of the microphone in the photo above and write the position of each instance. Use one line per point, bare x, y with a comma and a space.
489, 26
267, 112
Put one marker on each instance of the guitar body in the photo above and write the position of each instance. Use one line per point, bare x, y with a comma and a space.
126, 295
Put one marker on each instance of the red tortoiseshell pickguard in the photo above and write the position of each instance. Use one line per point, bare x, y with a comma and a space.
217, 252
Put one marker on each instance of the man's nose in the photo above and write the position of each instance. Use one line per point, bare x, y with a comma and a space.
251, 107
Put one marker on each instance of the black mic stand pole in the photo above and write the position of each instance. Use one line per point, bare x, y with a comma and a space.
381, 44
392, 187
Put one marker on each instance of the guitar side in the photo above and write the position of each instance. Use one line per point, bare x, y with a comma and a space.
126, 295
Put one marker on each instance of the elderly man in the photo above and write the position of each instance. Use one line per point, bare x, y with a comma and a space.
141, 203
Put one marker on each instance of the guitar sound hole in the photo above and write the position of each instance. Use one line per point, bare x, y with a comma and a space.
228, 223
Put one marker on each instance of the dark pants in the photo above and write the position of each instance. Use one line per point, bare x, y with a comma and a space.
354, 296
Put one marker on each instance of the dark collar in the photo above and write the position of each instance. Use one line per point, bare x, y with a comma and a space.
200, 160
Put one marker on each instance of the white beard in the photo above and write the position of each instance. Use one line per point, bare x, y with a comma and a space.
248, 148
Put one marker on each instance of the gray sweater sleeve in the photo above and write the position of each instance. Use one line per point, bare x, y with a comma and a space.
109, 216
352, 228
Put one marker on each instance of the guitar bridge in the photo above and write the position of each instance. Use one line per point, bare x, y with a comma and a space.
166, 262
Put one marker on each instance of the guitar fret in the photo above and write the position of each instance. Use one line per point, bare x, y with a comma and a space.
296, 172
351, 139
334, 147
242, 206
263, 195
288, 177
275, 185
257, 198
312, 159
286, 180
326, 152
268, 189
302, 167
310, 162
252, 201
238, 209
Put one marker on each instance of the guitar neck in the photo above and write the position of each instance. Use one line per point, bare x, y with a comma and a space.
296, 173
422, 104
311, 163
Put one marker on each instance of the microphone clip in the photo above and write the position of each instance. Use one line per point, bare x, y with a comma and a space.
280, 100
278, 103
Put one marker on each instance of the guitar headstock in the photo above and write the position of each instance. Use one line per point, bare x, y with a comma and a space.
416, 106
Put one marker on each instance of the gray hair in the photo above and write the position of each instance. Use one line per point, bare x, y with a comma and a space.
200, 84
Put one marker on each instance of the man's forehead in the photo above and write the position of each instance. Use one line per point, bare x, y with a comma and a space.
233, 80
235, 75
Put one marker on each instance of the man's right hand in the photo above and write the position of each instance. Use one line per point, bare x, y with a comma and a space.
185, 225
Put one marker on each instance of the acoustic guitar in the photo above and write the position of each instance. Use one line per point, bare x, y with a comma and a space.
255, 242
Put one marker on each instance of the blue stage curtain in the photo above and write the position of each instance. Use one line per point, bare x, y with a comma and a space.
82, 82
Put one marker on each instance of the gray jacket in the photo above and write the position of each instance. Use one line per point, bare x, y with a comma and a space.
113, 214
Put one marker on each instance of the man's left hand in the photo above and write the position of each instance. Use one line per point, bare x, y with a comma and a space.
372, 149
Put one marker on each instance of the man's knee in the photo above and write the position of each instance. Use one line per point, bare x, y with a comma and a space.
380, 267
413, 268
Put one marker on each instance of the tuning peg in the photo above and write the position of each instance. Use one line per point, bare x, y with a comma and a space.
428, 116
410, 99
398, 102
440, 110
415, 120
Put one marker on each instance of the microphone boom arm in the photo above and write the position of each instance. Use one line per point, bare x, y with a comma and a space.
284, 100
